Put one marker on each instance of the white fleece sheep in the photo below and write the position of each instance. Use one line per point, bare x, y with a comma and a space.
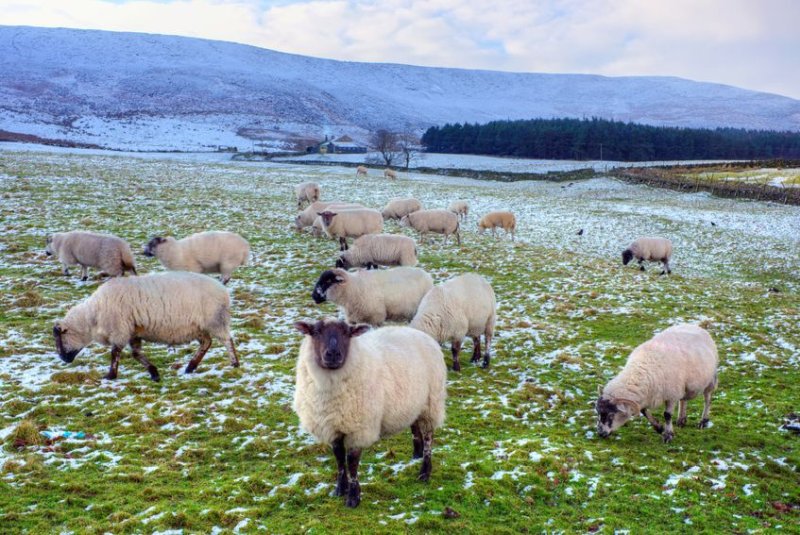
374, 296
389, 173
109, 254
307, 192
436, 221
673, 367
463, 306
499, 219
356, 386
649, 249
361, 171
460, 208
379, 249
204, 252
307, 217
169, 308
354, 223
397, 208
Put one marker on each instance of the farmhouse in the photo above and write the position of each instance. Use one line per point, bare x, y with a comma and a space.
343, 145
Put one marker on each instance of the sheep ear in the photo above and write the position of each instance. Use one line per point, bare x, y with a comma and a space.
358, 330
304, 327
599, 391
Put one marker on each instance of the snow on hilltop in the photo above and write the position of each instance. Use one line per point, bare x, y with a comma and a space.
140, 91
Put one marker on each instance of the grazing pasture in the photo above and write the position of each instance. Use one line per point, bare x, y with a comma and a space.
220, 450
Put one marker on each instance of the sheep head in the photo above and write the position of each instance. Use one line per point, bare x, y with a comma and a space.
627, 256
68, 343
152, 245
48, 248
612, 414
326, 280
331, 340
327, 217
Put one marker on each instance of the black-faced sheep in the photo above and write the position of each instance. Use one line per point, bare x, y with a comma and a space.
110, 254
649, 249
356, 386
379, 249
502, 219
204, 252
436, 221
355, 223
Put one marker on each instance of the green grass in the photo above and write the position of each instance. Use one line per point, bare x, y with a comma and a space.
222, 448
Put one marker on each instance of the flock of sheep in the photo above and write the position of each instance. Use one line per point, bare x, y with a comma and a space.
357, 380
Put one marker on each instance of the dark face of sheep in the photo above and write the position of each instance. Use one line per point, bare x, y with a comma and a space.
63, 344
326, 280
150, 248
331, 341
327, 217
610, 416
48, 248
627, 256
342, 263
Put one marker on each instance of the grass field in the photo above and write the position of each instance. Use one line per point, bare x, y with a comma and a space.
220, 451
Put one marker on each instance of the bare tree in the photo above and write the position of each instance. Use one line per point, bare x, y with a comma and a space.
386, 143
408, 144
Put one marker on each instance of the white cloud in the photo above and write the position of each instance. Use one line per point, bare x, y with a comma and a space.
739, 42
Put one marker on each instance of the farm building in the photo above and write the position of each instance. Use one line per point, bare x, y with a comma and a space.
343, 145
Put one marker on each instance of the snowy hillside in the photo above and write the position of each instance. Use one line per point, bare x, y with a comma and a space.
146, 92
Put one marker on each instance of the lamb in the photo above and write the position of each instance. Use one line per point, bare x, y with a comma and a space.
460, 208
110, 254
397, 208
672, 367
354, 223
438, 221
361, 171
650, 249
356, 386
168, 308
307, 217
379, 249
204, 252
463, 306
389, 173
306, 192
374, 296
503, 219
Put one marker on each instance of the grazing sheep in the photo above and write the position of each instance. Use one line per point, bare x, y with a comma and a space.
110, 254
354, 223
503, 219
379, 249
672, 367
361, 171
204, 252
374, 296
649, 249
168, 308
460, 208
463, 306
306, 192
356, 386
397, 208
307, 217
437, 221
388, 173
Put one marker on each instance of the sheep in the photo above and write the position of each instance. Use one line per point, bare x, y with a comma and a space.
672, 367
361, 171
502, 218
204, 252
307, 217
168, 308
356, 386
650, 249
438, 221
379, 249
463, 306
306, 192
397, 208
374, 296
389, 173
460, 208
343, 224
110, 254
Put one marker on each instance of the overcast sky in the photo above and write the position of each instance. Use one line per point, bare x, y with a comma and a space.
753, 44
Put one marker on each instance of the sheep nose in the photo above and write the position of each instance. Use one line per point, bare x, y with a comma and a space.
602, 432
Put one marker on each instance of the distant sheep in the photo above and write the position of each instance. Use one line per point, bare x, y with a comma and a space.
397, 208
437, 221
306, 217
343, 224
649, 249
379, 249
460, 208
110, 254
374, 296
463, 306
204, 252
502, 219
306, 192
355, 386
361, 171
168, 308
672, 367
389, 173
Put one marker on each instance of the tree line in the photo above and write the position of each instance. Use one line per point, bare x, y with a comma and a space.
601, 139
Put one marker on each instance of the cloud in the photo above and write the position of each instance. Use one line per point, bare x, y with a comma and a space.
738, 42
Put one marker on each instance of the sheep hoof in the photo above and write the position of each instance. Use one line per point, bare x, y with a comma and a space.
110, 376
424, 477
84, 279
353, 495
154, 374
659, 429
681, 422
703, 423
456, 366
668, 436
191, 368
641, 268
342, 486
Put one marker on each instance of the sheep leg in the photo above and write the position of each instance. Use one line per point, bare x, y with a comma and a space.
342, 244
417, 440
487, 335
116, 353
136, 351
458, 238
342, 483
666, 270
476, 349
427, 446
354, 492
641, 264
681, 413
669, 408
224, 277
84, 273
205, 343
707, 405
64, 269
650, 418
231, 351
455, 348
